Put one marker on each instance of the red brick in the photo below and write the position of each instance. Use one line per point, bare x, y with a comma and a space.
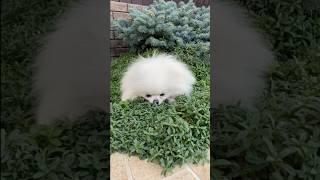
118, 44
122, 50
125, 1
146, 2
118, 51
118, 6
113, 53
137, 2
120, 15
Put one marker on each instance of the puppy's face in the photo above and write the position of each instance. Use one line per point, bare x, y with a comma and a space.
156, 98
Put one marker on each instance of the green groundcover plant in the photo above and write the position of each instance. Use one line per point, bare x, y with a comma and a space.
28, 151
165, 25
63, 151
281, 138
168, 134
278, 141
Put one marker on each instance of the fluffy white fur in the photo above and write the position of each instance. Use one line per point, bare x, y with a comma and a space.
157, 78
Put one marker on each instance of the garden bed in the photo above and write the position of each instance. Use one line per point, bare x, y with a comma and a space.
169, 134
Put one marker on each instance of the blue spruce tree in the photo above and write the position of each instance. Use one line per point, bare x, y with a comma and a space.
165, 25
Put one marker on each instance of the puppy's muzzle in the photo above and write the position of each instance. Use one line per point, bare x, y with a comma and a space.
156, 101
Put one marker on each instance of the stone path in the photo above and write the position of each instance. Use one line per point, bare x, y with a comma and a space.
124, 167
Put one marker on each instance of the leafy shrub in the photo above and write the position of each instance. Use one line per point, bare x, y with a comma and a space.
195, 51
169, 134
281, 139
165, 25
64, 151
28, 151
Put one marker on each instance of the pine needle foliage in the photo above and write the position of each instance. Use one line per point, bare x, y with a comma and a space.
165, 25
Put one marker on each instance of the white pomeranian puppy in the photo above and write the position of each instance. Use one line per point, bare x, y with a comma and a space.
157, 78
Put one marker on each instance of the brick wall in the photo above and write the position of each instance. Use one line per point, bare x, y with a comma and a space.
119, 10
147, 2
140, 2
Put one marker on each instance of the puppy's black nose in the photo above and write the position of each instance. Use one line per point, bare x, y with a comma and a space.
156, 101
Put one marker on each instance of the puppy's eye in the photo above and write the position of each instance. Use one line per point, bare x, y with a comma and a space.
162, 94
148, 95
